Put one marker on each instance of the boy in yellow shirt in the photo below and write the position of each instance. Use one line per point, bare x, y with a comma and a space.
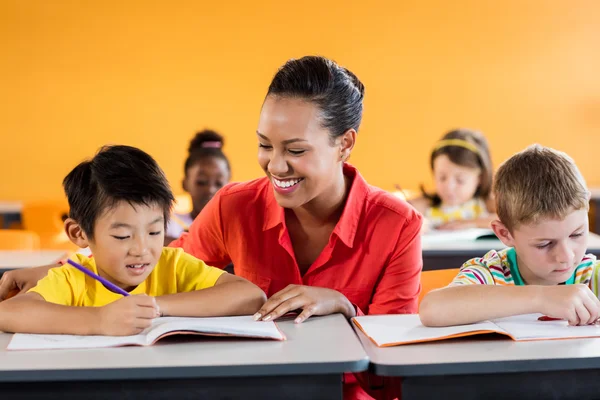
542, 203
120, 203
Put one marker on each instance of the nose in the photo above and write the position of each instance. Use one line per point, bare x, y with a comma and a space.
450, 186
212, 189
139, 246
277, 166
564, 253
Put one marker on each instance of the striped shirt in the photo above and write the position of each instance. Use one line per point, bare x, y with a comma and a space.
472, 209
500, 268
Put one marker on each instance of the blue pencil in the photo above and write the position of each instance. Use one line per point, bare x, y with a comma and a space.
100, 279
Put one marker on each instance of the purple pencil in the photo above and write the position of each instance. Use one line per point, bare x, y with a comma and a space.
107, 284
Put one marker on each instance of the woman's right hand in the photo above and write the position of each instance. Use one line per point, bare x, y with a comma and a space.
21, 280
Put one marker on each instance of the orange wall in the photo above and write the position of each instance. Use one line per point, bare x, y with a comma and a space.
78, 74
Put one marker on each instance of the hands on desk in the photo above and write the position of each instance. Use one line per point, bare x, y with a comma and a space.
21, 280
311, 300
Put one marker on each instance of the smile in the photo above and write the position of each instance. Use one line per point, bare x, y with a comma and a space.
288, 183
137, 266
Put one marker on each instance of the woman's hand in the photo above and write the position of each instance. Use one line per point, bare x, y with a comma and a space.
21, 280
311, 300
458, 225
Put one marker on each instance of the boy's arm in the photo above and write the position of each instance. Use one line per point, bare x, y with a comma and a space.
470, 303
231, 295
30, 313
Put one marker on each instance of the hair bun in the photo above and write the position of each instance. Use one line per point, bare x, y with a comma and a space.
206, 139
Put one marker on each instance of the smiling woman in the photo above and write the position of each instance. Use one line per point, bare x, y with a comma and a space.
319, 239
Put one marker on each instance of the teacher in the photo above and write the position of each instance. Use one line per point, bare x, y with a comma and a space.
312, 233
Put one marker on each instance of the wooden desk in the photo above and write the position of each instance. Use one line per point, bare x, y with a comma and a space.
25, 259
309, 365
453, 255
491, 368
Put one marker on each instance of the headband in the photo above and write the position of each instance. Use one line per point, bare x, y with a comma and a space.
458, 143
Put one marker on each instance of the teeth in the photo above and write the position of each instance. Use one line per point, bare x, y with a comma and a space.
286, 184
136, 266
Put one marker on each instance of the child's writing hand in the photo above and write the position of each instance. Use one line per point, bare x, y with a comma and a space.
127, 316
457, 225
311, 300
575, 303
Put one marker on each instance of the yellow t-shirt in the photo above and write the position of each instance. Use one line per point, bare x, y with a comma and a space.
175, 272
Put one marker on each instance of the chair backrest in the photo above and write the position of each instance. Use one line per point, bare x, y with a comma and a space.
431, 280
46, 219
16, 239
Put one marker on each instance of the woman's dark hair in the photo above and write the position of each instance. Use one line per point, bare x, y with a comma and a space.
467, 148
335, 90
205, 144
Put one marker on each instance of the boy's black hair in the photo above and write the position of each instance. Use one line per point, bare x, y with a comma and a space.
116, 173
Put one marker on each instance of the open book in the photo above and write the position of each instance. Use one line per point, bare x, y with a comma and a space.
395, 330
243, 326
441, 236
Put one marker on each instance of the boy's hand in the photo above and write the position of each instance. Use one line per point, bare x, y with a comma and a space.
575, 303
127, 316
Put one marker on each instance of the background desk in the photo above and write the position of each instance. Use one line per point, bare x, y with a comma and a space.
595, 210
10, 212
25, 259
309, 365
491, 368
453, 255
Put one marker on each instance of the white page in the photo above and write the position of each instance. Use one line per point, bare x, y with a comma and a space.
243, 326
527, 327
23, 341
441, 236
387, 329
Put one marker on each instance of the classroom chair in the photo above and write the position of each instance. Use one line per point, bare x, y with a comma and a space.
14, 239
431, 280
46, 219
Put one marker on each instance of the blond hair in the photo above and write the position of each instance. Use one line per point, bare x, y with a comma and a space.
538, 182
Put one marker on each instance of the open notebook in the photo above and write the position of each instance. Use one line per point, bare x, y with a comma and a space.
243, 326
395, 330
437, 236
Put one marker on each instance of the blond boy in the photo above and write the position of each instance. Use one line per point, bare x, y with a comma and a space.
542, 204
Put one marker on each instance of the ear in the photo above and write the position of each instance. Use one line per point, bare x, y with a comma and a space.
184, 185
346, 142
76, 234
503, 233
